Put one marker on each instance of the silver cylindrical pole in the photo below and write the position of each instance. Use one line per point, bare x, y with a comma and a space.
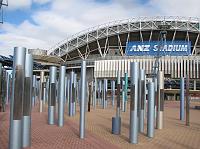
61, 96
133, 134
150, 116
141, 100
16, 111
95, 92
123, 96
26, 129
52, 95
118, 94
104, 93
74, 98
70, 93
113, 92
40, 91
82, 102
182, 100
160, 101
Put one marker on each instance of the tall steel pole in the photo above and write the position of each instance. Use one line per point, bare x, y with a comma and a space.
16, 108
150, 117
82, 102
40, 91
26, 129
61, 96
133, 134
182, 100
52, 96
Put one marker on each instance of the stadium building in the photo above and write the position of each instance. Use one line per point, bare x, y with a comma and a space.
107, 48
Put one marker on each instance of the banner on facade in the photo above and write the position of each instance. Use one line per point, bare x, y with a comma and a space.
154, 48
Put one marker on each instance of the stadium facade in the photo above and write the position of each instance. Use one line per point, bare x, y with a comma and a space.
110, 47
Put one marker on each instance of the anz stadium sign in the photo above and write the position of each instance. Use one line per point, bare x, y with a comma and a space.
155, 48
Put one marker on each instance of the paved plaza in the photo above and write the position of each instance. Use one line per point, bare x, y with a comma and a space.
98, 135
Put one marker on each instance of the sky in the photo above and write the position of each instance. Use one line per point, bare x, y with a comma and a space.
43, 23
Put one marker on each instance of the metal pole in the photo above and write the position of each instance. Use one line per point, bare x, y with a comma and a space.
52, 95
150, 117
118, 94
41, 81
160, 101
26, 127
142, 100
133, 134
182, 100
126, 90
113, 92
71, 93
74, 95
61, 96
123, 96
104, 93
1, 77
34, 91
82, 102
187, 101
95, 92
15, 132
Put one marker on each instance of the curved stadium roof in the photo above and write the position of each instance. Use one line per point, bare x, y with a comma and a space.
100, 39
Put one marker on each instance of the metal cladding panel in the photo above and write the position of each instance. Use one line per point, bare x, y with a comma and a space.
175, 68
119, 67
188, 65
178, 67
105, 68
113, 68
197, 68
184, 68
126, 66
27, 97
181, 67
116, 67
18, 94
163, 64
122, 67
191, 68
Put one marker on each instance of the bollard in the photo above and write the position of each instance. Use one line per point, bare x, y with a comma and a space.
16, 111
61, 96
133, 132
82, 102
26, 127
52, 96
150, 115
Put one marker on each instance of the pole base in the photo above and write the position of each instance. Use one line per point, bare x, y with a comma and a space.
116, 125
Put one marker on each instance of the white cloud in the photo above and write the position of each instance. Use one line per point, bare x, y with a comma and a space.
66, 17
19, 4
41, 1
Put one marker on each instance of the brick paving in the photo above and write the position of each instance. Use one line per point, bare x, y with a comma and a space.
98, 136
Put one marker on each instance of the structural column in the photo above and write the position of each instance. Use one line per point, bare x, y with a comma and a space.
26, 129
52, 95
133, 134
113, 92
15, 140
61, 96
125, 91
82, 101
187, 101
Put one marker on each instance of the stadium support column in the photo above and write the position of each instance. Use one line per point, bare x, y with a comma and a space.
133, 133
142, 99
187, 101
74, 94
41, 81
82, 101
34, 91
15, 140
61, 96
26, 127
160, 100
116, 121
150, 115
182, 100
52, 95
113, 92
104, 93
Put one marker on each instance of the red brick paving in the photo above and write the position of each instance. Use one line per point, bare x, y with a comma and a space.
98, 136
